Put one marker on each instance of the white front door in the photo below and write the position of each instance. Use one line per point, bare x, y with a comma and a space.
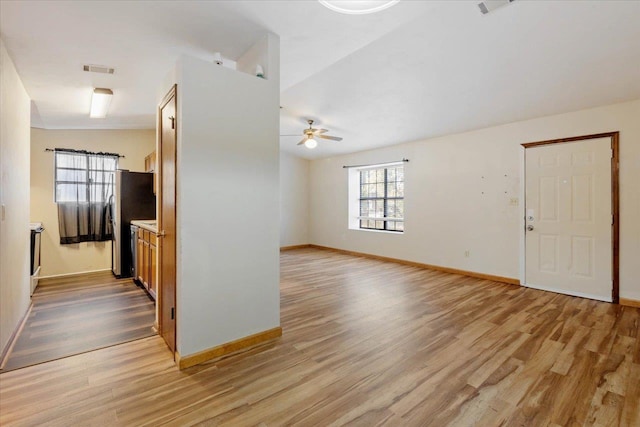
568, 216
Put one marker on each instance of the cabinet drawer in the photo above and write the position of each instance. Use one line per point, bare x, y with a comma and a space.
152, 238
140, 233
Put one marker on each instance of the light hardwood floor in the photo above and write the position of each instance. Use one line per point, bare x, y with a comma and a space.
366, 343
74, 314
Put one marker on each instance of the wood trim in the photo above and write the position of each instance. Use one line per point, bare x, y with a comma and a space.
484, 276
615, 199
172, 93
615, 211
293, 247
13, 338
630, 302
168, 96
226, 349
571, 139
62, 276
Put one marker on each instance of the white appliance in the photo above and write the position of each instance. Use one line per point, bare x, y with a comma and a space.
36, 237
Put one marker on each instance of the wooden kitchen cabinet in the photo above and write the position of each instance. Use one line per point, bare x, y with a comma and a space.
150, 162
140, 257
153, 283
150, 166
146, 260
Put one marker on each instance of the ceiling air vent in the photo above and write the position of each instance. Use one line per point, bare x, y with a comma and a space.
491, 5
99, 69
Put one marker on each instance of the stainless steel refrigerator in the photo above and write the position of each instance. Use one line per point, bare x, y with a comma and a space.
133, 199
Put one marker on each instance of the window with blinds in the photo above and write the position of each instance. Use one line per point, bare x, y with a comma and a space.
382, 198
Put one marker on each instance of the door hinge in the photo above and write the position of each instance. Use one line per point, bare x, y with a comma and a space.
173, 313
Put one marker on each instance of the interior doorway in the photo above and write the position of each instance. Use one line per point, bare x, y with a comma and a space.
167, 131
571, 216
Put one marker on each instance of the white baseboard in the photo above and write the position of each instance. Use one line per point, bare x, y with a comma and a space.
74, 274
565, 292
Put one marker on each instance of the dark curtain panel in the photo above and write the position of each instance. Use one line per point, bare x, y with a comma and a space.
84, 185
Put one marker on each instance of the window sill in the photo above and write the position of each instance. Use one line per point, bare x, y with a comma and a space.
397, 233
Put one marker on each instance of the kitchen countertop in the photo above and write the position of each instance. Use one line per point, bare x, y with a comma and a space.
146, 224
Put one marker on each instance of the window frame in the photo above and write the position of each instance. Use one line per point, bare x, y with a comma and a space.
87, 170
385, 219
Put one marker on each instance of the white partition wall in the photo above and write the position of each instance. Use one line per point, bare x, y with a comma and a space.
15, 255
228, 199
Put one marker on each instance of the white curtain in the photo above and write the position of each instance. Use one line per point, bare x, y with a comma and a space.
84, 183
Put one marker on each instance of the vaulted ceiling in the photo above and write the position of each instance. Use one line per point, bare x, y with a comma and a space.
416, 70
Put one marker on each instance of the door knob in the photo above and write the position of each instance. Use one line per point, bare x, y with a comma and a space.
529, 227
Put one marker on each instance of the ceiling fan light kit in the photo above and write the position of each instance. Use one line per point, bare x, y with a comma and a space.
357, 7
310, 134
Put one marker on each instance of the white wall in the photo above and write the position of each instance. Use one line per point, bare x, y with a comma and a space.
294, 200
228, 203
60, 259
457, 195
15, 258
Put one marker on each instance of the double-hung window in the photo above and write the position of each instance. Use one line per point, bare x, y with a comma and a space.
382, 198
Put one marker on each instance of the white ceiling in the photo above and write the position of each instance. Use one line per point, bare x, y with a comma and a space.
417, 70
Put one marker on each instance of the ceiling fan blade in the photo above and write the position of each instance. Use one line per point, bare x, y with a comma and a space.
332, 138
303, 141
323, 130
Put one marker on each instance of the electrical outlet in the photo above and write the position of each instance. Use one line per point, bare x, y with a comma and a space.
513, 201
467, 254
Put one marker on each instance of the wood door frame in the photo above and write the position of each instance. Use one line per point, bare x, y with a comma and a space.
615, 199
173, 92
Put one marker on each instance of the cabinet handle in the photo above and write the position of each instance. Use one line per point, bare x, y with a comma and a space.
160, 233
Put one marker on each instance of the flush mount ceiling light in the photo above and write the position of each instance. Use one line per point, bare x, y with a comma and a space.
100, 101
358, 7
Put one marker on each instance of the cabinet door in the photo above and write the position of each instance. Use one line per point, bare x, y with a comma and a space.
150, 166
140, 259
152, 267
145, 260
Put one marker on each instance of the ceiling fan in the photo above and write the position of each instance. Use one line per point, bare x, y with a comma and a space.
310, 134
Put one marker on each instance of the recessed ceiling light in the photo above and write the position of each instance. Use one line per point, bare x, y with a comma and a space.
358, 7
